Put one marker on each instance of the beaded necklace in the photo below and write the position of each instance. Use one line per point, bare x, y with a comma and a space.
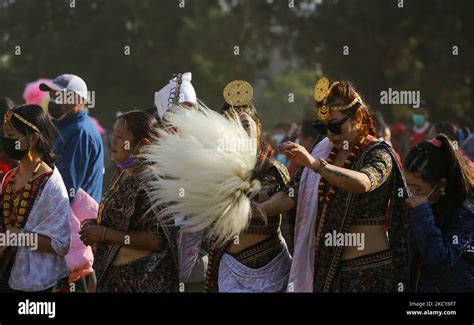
107, 197
17, 206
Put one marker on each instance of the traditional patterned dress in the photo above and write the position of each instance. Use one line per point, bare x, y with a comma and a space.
380, 272
263, 267
47, 211
125, 208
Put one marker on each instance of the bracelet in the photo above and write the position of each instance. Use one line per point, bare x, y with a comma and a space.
322, 165
103, 234
86, 221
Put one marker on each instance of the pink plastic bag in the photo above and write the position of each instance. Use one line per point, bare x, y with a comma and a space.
80, 257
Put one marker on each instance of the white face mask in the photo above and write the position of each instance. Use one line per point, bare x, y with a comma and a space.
431, 192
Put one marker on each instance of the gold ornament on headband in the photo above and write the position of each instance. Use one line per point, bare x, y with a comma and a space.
238, 93
8, 116
322, 90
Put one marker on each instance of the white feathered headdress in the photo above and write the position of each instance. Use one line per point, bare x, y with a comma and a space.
206, 172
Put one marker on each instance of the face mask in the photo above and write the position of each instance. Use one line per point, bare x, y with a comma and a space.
10, 147
430, 193
418, 119
54, 110
131, 161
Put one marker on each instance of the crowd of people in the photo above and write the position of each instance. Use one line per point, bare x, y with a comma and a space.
345, 203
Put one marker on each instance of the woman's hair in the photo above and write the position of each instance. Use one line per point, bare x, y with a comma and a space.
447, 129
249, 109
141, 124
344, 93
48, 132
6, 104
437, 159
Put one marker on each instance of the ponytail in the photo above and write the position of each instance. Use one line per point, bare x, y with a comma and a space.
457, 168
437, 159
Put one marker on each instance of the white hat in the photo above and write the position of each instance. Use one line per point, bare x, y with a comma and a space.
66, 82
186, 93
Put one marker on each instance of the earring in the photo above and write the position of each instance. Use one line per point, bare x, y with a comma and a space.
30, 156
443, 193
363, 131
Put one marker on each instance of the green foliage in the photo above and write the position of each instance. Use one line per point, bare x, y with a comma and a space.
287, 97
407, 48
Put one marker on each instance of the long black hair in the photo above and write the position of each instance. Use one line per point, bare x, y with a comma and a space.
5, 104
37, 116
434, 162
141, 124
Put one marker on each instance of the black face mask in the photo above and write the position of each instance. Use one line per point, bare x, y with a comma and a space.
10, 147
54, 110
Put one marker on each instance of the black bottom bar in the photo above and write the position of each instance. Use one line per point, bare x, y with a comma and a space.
442, 308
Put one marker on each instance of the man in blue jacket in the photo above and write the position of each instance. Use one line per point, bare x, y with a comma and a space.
80, 149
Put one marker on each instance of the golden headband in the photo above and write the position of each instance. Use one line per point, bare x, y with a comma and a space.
322, 90
8, 117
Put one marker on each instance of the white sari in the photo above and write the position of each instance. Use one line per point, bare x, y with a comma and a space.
302, 266
34, 270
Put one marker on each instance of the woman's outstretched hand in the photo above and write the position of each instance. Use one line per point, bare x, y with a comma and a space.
297, 153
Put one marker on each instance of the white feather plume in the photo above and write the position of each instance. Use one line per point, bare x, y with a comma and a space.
205, 172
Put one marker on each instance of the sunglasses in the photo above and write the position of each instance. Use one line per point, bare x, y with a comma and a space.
334, 127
